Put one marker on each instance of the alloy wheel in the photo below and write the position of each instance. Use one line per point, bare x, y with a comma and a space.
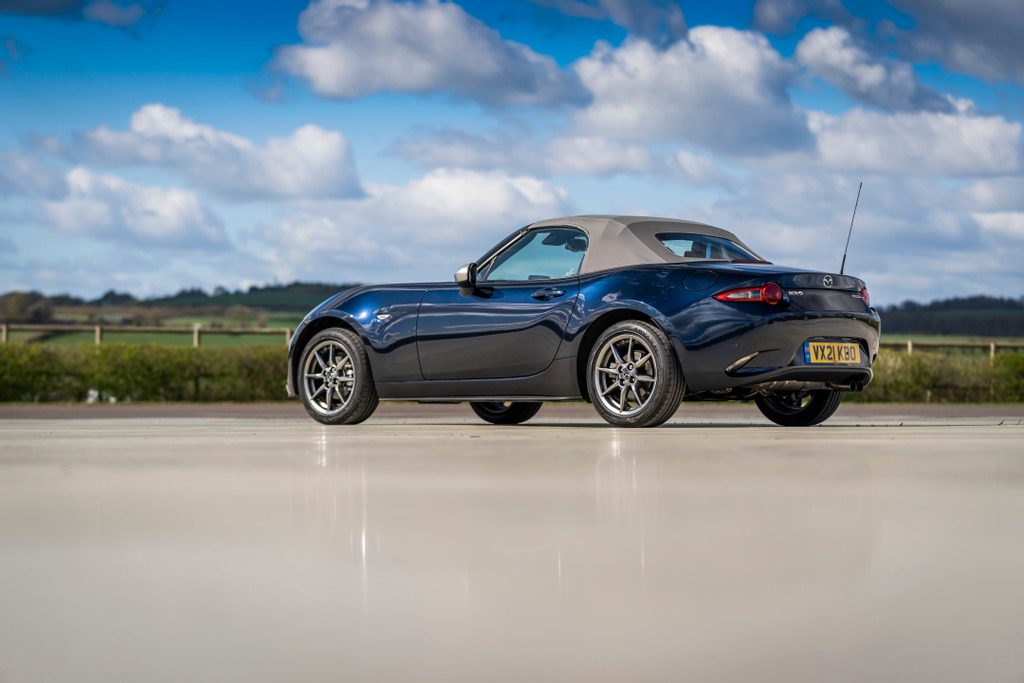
329, 377
626, 374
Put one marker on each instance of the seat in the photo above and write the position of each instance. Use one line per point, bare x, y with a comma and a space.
697, 250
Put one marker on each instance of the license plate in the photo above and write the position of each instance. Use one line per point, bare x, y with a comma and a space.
832, 353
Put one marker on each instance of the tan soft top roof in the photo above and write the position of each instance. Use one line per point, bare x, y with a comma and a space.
617, 241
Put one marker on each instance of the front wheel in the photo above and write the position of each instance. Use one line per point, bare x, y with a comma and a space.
335, 382
633, 377
505, 412
799, 409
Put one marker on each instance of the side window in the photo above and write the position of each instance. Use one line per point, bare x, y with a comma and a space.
544, 254
705, 247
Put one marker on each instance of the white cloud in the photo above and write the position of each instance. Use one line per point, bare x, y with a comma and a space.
1002, 223
311, 162
423, 229
921, 143
24, 174
657, 21
112, 13
723, 89
699, 170
995, 194
103, 11
110, 207
596, 155
981, 37
354, 48
914, 237
832, 55
781, 16
568, 155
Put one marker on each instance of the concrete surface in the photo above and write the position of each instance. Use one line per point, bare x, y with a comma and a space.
424, 546
392, 410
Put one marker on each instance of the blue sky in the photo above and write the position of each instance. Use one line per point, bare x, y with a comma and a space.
149, 147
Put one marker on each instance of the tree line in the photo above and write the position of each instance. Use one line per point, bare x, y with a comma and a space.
35, 307
974, 316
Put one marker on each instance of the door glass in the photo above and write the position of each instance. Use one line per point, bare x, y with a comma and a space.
545, 254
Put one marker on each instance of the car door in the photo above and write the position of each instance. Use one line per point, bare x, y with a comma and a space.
512, 323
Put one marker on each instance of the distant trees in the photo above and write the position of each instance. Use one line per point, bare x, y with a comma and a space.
25, 307
111, 298
983, 316
296, 296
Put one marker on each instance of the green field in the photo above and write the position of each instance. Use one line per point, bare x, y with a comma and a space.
263, 319
272, 320
207, 339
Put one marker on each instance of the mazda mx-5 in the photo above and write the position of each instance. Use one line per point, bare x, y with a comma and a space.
632, 314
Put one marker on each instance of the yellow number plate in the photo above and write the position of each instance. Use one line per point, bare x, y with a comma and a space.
832, 353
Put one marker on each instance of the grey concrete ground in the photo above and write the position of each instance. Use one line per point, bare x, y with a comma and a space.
423, 546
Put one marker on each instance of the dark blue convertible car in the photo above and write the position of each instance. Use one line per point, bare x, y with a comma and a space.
633, 314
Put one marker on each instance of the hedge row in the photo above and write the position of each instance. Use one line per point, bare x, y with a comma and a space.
137, 372
141, 372
945, 378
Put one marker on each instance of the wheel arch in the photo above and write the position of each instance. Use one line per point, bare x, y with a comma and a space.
597, 327
310, 330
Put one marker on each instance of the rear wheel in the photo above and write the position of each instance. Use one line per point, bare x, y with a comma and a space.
335, 382
633, 377
505, 412
799, 409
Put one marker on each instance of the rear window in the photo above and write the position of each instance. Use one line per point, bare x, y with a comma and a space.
705, 247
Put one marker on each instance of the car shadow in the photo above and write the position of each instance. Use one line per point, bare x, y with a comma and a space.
744, 425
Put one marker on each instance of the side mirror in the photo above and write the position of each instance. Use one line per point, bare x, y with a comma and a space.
466, 276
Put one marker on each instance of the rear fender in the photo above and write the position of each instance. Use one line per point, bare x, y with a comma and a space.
649, 292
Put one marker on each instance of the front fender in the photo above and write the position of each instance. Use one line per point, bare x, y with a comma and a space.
385, 320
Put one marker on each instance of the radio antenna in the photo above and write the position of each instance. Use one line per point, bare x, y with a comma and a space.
842, 267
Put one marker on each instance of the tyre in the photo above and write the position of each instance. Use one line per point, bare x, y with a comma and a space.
633, 377
335, 382
799, 409
505, 412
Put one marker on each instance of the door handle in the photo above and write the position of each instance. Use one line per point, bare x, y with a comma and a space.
548, 293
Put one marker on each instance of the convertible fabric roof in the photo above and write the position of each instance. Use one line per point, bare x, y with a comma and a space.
617, 241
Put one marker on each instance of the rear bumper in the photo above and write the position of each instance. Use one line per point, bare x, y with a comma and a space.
773, 352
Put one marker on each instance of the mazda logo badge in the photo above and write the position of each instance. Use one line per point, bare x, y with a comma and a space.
827, 281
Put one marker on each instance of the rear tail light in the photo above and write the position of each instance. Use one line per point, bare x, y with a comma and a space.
864, 295
770, 293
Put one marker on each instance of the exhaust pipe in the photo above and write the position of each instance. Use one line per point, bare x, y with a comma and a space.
855, 385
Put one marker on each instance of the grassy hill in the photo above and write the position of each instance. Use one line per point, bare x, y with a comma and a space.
297, 296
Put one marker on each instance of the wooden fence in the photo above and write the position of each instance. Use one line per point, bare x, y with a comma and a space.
285, 333
929, 345
197, 332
